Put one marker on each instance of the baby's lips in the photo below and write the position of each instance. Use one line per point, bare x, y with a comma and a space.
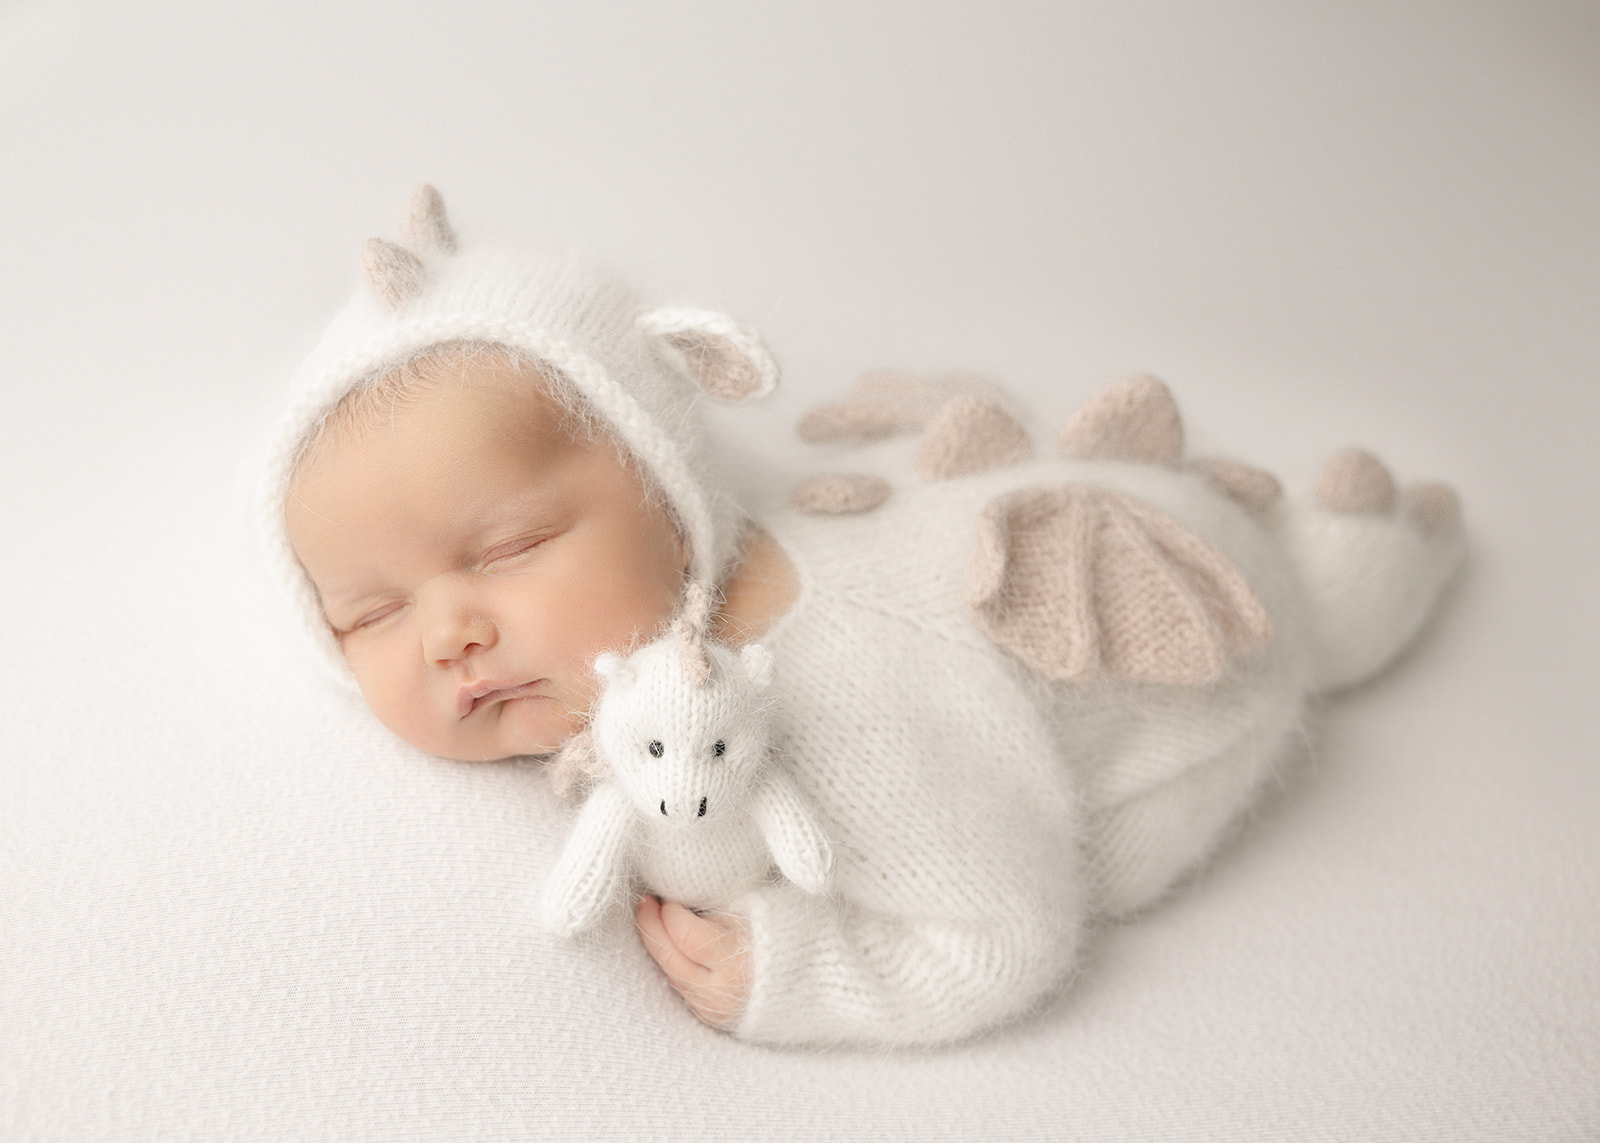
487, 691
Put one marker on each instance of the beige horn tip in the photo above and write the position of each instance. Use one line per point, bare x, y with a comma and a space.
395, 274
425, 226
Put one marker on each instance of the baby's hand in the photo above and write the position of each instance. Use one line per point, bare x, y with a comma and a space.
706, 958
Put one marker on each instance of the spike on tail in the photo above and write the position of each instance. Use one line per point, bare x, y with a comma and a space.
1371, 562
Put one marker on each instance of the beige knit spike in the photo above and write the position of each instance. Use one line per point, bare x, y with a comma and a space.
885, 403
839, 494
1133, 419
898, 387
1354, 482
1435, 507
1081, 583
395, 274
1252, 488
971, 434
854, 422
425, 227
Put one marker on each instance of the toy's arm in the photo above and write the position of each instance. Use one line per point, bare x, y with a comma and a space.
585, 878
794, 837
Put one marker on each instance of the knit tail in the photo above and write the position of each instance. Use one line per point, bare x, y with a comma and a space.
1372, 561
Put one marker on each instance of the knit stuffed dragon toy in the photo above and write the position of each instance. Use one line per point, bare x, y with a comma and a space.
689, 796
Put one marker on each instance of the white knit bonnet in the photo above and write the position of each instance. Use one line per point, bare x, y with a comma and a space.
639, 371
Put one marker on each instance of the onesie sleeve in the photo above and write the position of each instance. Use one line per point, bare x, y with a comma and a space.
957, 897
826, 971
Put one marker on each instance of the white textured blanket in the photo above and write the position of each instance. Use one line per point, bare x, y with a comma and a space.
231, 907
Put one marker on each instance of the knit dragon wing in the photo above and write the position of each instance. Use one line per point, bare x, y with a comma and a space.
1082, 583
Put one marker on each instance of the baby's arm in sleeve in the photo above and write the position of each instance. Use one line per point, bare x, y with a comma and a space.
799, 968
823, 970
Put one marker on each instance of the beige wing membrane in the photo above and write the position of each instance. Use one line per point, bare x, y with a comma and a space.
1082, 584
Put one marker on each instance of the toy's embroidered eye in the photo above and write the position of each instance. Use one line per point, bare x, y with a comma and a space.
655, 748
719, 749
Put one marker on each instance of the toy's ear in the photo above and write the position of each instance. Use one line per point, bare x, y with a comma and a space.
613, 668
1082, 583
757, 662
727, 359
578, 764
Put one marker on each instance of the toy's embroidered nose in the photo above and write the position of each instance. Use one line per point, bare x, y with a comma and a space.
663, 807
702, 812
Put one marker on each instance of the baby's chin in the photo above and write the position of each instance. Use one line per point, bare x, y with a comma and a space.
529, 724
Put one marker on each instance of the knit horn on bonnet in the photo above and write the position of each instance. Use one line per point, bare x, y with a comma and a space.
639, 371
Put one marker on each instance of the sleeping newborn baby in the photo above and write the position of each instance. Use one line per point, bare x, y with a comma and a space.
1020, 692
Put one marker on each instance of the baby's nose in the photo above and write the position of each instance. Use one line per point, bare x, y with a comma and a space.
452, 631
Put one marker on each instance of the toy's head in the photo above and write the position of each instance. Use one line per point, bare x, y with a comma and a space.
685, 725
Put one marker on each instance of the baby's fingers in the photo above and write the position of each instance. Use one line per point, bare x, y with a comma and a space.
715, 988
658, 942
710, 942
683, 973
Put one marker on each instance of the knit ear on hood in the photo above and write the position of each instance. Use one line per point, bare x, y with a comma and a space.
727, 359
637, 370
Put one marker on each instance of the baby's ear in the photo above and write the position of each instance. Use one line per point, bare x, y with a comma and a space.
757, 662
727, 359
613, 668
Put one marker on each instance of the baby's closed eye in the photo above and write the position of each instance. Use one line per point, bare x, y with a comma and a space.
371, 618
507, 555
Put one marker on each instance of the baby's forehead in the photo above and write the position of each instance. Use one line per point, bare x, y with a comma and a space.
510, 396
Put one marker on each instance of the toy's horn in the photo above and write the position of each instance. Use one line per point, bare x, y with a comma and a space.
690, 628
697, 607
424, 226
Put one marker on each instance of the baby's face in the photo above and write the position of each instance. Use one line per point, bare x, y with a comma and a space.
473, 560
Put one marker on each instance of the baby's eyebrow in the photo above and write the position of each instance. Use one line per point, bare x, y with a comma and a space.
531, 510
345, 595
350, 599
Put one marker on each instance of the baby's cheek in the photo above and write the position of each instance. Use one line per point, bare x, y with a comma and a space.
401, 704
536, 726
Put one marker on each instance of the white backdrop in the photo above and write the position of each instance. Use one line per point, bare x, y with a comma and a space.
231, 907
